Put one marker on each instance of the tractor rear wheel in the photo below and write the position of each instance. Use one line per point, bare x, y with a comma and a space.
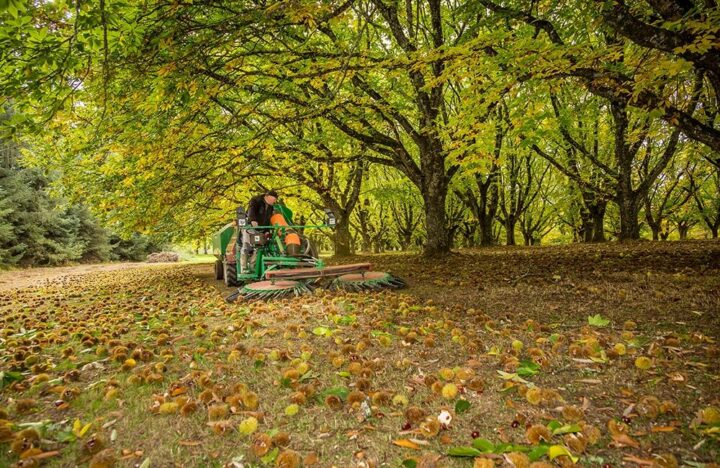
231, 275
309, 249
219, 273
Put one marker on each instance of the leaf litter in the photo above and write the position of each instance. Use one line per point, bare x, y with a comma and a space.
151, 366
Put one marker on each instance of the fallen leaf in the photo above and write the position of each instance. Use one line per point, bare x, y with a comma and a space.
190, 443
406, 443
663, 429
624, 440
639, 461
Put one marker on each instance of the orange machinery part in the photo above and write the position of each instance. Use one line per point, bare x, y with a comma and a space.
291, 238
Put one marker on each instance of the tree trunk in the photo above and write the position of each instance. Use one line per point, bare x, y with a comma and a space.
468, 233
486, 231
434, 194
406, 239
655, 226
597, 212
342, 238
626, 198
527, 238
485, 211
366, 244
683, 230
586, 226
629, 225
510, 230
485, 205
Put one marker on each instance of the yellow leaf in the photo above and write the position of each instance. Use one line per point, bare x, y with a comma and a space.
559, 451
643, 363
79, 430
663, 429
406, 443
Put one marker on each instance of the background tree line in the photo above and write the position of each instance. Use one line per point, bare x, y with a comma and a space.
39, 228
430, 124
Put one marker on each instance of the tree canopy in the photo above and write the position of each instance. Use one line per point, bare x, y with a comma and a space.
437, 123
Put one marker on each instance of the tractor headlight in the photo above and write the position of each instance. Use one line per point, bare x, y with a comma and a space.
331, 221
241, 217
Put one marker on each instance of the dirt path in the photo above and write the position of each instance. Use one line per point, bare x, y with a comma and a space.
17, 279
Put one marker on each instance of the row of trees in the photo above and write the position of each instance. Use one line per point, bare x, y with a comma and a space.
39, 228
524, 201
167, 115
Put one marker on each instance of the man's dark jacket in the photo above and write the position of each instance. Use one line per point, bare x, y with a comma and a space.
259, 211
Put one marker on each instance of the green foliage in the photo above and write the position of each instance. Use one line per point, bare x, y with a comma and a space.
597, 320
134, 248
39, 229
165, 117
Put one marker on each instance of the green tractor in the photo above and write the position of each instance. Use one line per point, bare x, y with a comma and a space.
285, 262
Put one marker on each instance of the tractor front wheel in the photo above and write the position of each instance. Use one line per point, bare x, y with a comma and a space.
231, 275
219, 274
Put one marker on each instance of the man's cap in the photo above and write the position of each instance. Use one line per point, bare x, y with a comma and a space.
272, 193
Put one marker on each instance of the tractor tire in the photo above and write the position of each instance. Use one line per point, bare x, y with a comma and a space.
230, 275
307, 248
312, 249
219, 273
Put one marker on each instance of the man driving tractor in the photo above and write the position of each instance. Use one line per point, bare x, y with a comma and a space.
264, 254
260, 210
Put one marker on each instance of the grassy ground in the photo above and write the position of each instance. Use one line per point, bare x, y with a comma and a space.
151, 365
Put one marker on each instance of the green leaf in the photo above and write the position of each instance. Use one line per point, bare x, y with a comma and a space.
345, 319
528, 368
461, 406
597, 320
322, 331
566, 429
8, 377
484, 445
409, 463
554, 424
271, 456
511, 376
464, 451
507, 447
65, 436
656, 113
308, 375
538, 452
340, 392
